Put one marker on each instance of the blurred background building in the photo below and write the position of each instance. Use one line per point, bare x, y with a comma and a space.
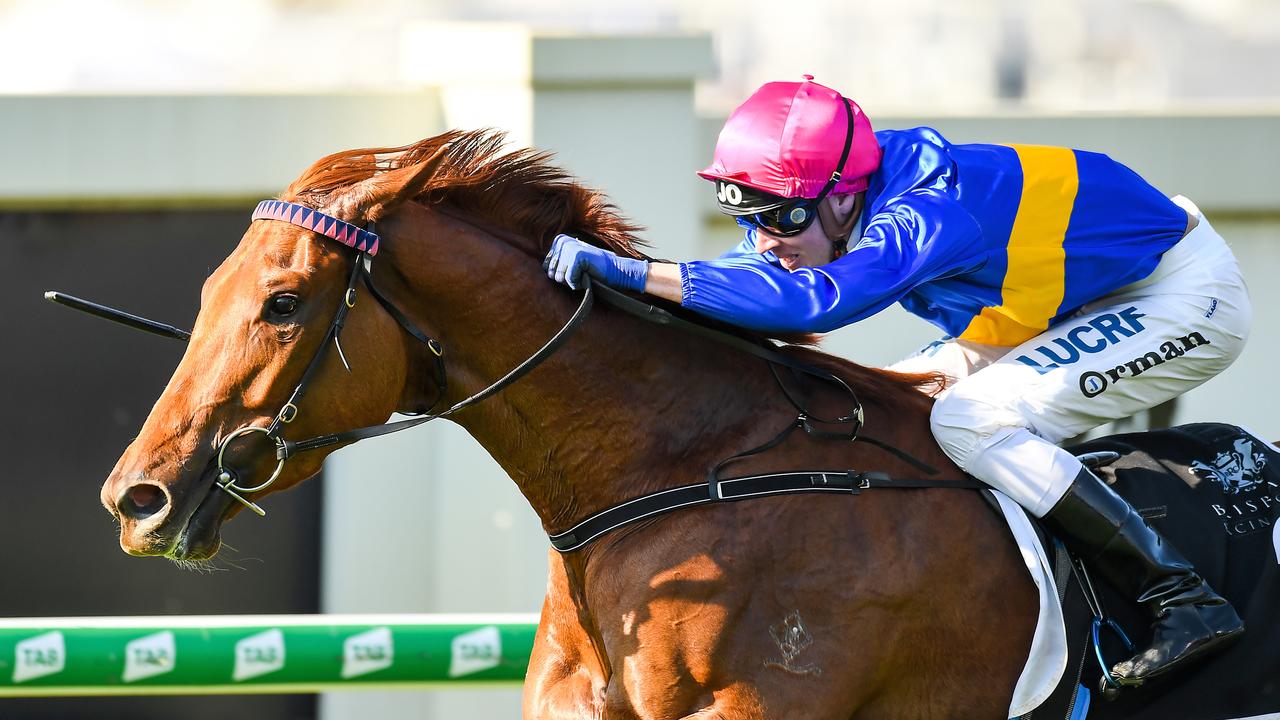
136, 135
892, 55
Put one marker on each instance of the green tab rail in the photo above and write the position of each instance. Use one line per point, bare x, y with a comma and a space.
225, 654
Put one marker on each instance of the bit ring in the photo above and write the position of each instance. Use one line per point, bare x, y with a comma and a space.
230, 484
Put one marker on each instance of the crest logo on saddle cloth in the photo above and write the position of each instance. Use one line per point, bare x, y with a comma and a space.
1236, 471
1252, 499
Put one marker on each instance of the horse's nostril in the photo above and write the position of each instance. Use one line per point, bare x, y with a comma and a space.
141, 502
144, 495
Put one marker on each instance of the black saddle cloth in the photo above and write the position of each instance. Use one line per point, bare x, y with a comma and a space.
1213, 491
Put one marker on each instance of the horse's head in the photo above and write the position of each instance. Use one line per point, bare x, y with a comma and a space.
265, 313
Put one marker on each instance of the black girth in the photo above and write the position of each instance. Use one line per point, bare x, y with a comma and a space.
840, 482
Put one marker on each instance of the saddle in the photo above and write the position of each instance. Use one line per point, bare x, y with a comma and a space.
1213, 491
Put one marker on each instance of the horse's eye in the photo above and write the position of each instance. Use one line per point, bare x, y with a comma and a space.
283, 305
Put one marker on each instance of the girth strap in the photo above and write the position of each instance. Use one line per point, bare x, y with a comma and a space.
847, 482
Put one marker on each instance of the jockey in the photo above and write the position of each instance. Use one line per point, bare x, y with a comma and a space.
1071, 292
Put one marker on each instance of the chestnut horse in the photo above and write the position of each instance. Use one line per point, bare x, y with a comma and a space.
887, 604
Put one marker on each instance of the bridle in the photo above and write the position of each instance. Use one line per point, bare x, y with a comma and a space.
366, 241
227, 478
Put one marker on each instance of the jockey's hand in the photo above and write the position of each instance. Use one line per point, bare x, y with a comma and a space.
570, 258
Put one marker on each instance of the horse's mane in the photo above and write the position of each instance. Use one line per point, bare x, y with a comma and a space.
523, 192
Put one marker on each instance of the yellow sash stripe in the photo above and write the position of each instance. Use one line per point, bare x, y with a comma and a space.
1033, 284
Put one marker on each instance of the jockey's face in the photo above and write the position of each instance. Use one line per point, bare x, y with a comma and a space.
810, 247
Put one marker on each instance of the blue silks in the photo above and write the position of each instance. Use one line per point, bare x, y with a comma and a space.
991, 243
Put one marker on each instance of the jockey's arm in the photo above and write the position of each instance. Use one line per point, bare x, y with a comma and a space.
664, 281
909, 243
664, 277
912, 240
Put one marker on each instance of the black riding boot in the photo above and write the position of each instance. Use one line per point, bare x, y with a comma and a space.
1190, 619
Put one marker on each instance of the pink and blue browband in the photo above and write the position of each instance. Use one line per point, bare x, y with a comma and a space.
318, 222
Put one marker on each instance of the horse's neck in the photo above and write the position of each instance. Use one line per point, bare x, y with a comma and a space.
623, 408
603, 419
613, 413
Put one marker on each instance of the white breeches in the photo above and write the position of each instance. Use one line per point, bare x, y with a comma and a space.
1008, 408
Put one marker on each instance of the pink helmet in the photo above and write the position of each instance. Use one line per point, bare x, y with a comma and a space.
787, 139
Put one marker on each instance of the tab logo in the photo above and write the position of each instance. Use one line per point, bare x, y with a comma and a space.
259, 654
149, 656
367, 652
475, 651
729, 193
39, 656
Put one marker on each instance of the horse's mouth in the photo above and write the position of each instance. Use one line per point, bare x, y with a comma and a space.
201, 537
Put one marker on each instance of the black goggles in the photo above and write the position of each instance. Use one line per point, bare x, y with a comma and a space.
785, 220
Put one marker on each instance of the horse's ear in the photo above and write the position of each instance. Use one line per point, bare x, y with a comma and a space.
377, 197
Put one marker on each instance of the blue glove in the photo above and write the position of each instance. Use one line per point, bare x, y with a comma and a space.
570, 258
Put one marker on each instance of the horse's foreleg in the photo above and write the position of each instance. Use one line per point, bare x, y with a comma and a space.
564, 680
551, 695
